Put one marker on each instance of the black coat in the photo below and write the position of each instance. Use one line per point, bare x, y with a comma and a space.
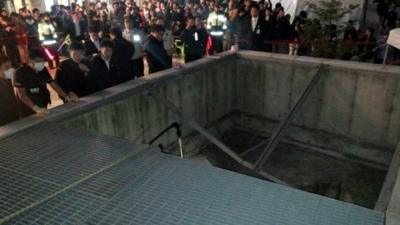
157, 57
100, 77
123, 52
268, 28
256, 37
282, 29
195, 41
71, 78
90, 47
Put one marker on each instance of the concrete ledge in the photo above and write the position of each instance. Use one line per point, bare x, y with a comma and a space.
112, 94
312, 61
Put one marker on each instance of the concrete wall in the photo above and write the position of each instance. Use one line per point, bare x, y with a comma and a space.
202, 91
355, 109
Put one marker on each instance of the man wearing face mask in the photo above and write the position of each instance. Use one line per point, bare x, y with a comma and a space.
31, 81
194, 41
72, 73
8, 102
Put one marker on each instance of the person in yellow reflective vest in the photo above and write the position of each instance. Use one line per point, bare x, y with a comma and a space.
48, 38
217, 23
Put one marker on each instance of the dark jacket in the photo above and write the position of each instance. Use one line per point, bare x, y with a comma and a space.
157, 57
71, 28
71, 78
195, 41
100, 76
282, 29
90, 47
268, 28
35, 84
256, 37
123, 52
8, 102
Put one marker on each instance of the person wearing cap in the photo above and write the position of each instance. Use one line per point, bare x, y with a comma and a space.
137, 38
31, 81
123, 52
92, 44
156, 55
71, 74
9, 109
104, 72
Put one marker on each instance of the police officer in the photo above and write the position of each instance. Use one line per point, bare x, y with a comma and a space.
31, 81
71, 74
217, 23
9, 108
48, 38
137, 38
194, 41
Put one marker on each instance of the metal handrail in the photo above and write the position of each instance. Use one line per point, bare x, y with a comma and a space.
178, 134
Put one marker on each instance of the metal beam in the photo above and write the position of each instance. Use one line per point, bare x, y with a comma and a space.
280, 132
213, 139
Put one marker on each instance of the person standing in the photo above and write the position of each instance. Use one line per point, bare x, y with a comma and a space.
8, 101
157, 56
76, 27
268, 30
31, 81
92, 44
71, 74
123, 52
256, 35
104, 72
194, 41
137, 38
48, 38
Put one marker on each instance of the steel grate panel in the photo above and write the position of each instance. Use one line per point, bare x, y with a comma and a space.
17, 191
147, 188
69, 208
60, 155
182, 192
107, 184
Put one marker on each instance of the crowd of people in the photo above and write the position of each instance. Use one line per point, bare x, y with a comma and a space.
105, 45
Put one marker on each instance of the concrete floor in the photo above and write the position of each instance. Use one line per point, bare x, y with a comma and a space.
304, 169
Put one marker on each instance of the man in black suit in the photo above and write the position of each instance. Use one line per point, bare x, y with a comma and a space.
76, 27
268, 30
123, 51
157, 57
71, 74
256, 35
92, 44
104, 73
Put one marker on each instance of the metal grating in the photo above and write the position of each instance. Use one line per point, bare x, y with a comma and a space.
60, 155
18, 190
69, 208
43, 160
147, 188
183, 192
107, 184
